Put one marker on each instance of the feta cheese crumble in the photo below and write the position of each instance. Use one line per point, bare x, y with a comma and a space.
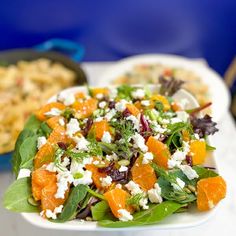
143, 203
23, 173
81, 143
139, 142
147, 157
110, 114
102, 104
189, 172
179, 185
135, 122
133, 188
41, 141
106, 182
61, 122
53, 112
145, 103
124, 215
52, 214
121, 105
123, 168
106, 138
72, 127
138, 94
154, 194
86, 178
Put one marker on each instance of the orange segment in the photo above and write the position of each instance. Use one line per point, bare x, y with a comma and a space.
48, 200
175, 107
198, 151
143, 174
99, 128
116, 199
132, 109
41, 178
53, 122
96, 175
162, 99
40, 114
79, 95
210, 191
85, 108
160, 151
45, 154
96, 91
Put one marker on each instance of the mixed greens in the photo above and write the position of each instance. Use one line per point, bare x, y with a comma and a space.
123, 156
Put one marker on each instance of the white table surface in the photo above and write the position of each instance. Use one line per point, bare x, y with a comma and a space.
222, 223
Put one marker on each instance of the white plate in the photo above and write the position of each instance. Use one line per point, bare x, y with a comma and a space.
218, 92
176, 221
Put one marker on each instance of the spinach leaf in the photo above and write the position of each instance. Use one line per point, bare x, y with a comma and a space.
204, 172
154, 214
32, 123
77, 194
45, 129
17, 195
167, 178
16, 158
100, 210
27, 152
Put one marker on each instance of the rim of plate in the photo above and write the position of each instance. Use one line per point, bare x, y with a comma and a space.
218, 91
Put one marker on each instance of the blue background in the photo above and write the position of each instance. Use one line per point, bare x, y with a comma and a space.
111, 30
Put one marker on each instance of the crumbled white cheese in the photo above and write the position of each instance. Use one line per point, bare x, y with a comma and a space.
197, 136
138, 94
147, 157
124, 215
81, 143
23, 173
51, 167
211, 204
63, 180
154, 194
113, 93
145, 103
102, 104
178, 156
133, 188
123, 168
67, 98
65, 162
157, 128
106, 138
86, 179
76, 166
110, 114
41, 141
182, 116
119, 186
99, 96
143, 203
121, 105
72, 127
52, 214
189, 172
53, 112
112, 157
139, 142
106, 181
98, 119
165, 121
179, 185
61, 122
135, 121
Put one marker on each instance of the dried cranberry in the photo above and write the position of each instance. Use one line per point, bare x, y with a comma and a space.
62, 145
87, 126
106, 169
189, 160
111, 104
126, 113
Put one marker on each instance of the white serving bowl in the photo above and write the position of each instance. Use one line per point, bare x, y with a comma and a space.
177, 221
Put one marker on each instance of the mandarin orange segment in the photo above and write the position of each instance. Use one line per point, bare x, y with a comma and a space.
79, 95
99, 128
210, 191
175, 107
96, 175
198, 151
186, 135
46, 153
40, 114
85, 108
41, 178
132, 109
96, 91
117, 199
160, 151
48, 199
162, 99
53, 122
143, 174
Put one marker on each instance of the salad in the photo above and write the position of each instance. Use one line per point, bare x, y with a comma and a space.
123, 156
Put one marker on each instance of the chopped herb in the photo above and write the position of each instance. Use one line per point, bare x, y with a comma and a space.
134, 200
125, 92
